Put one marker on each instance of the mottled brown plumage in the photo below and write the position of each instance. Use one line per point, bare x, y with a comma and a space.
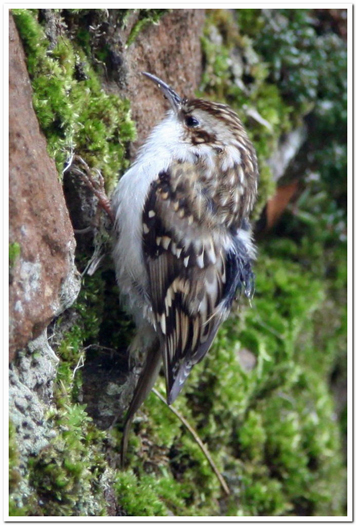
184, 248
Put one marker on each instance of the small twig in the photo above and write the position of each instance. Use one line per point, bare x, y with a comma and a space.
271, 330
83, 230
80, 364
198, 440
101, 347
96, 187
68, 163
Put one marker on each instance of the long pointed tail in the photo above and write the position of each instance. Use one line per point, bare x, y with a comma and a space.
144, 386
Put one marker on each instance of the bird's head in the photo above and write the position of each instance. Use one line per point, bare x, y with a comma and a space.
210, 136
203, 121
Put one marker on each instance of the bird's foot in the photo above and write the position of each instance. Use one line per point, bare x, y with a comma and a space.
94, 180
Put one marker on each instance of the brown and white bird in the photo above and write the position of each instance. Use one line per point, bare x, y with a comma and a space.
183, 248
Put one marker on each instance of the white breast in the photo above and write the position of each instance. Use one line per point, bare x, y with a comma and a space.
164, 144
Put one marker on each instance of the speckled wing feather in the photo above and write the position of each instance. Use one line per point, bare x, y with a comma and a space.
187, 270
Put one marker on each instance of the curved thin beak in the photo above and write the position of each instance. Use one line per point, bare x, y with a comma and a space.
174, 99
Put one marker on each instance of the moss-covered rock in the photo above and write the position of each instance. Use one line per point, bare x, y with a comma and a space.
73, 110
269, 422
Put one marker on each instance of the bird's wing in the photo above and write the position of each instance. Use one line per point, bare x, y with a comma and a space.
189, 289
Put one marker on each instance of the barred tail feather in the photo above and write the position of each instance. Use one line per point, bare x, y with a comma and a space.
144, 386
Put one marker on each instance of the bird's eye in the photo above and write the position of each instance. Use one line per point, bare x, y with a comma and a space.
191, 122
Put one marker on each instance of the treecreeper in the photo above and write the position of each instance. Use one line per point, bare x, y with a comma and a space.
183, 247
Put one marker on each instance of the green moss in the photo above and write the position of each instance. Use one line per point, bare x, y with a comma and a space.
69, 476
139, 497
294, 42
16, 478
74, 112
67, 473
252, 437
14, 475
14, 253
146, 17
